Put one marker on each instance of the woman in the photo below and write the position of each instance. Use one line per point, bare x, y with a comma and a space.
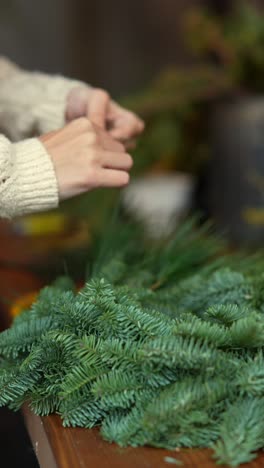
58, 138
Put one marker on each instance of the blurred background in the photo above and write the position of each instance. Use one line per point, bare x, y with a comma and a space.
118, 45
195, 72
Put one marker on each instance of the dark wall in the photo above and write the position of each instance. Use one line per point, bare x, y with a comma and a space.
120, 45
116, 44
35, 33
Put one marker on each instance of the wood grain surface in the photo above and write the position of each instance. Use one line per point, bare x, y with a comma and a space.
84, 448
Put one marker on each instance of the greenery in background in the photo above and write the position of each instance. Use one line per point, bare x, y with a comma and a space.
177, 104
176, 134
94, 206
175, 107
163, 346
235, 43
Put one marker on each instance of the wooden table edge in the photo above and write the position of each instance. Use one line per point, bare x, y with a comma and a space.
39, 439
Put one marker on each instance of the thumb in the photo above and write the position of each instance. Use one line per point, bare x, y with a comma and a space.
98, 107
77, 103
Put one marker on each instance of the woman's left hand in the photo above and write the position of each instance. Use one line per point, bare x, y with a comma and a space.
97, 106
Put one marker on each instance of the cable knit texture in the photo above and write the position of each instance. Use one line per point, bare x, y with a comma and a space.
30, 104
27, 181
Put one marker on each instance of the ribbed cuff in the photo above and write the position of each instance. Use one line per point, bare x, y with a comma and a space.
37, 188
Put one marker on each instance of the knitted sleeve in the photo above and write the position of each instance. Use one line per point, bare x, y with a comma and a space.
31, 103
27, 178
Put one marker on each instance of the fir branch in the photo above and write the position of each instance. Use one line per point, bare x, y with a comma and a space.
241, 432
20, 338
250, 378
81, 410
166, 350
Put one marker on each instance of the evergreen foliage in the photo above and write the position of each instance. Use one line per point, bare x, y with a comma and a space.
163, 346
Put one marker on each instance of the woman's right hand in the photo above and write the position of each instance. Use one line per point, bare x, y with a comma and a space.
86, 157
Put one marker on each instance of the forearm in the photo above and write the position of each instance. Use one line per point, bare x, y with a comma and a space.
31, 103
27, 178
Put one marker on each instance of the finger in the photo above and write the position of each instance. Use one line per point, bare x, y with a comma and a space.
122, 161
109, 143
127, 128
113, 178
78, 127
98, 107
77, 103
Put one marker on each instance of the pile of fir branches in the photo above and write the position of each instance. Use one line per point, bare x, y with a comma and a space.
163, 346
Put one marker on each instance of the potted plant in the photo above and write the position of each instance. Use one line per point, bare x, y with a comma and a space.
234, 191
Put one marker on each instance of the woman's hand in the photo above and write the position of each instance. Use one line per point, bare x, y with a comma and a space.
98, 107
85, 157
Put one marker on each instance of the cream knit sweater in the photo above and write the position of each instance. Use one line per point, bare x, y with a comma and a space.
30, 104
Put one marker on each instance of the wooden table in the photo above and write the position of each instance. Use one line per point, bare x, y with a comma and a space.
57, 447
